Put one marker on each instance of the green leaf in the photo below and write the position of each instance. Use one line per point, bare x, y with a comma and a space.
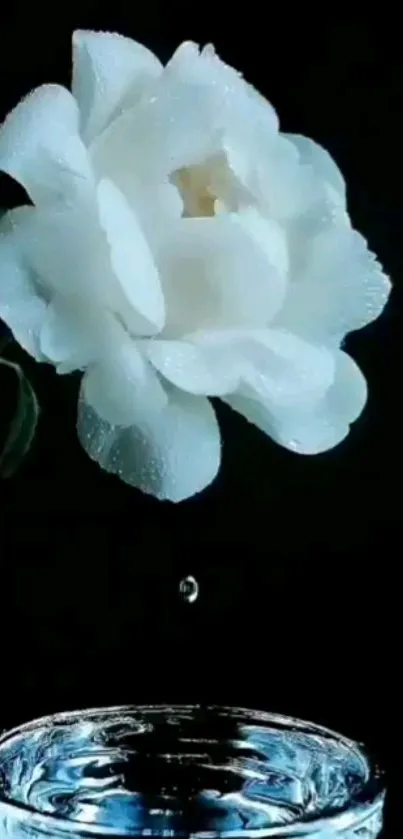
23, 426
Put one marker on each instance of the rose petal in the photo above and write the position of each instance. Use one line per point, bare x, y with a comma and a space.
198, 369
157, 205
59, 334
110, 73
215, 275
267, 364
172, 454
314, 155
284, 370
67, 248
131, 257
271, 238
176, 124
272, 172
63, 244
347, 397
246, 117
180, 121
40, 146
122, 387
22, 306
340, 287
73, 336
318, 427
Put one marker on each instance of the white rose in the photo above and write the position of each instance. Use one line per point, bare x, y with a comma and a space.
180, 247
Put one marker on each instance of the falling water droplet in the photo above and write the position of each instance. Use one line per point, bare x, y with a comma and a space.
189, 589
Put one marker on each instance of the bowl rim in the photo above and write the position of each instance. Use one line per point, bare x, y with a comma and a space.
354, 814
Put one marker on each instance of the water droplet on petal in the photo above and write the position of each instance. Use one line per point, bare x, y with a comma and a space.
189, 589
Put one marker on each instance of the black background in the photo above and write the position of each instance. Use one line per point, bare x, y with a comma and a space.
297, 558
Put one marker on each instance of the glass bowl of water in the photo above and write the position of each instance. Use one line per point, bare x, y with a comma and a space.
185, 771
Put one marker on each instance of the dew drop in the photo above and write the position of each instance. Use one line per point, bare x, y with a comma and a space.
189, 589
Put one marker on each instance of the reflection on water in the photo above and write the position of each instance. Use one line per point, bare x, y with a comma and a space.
163, 771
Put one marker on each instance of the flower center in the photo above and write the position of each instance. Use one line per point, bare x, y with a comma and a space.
211, 187
194, 184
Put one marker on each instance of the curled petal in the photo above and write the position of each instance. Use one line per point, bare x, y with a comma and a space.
40, 145
110, 73
315, 428
171, 454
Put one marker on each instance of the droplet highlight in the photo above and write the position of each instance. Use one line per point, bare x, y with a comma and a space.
189, 589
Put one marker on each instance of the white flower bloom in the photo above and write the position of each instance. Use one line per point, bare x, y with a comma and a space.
179, 247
